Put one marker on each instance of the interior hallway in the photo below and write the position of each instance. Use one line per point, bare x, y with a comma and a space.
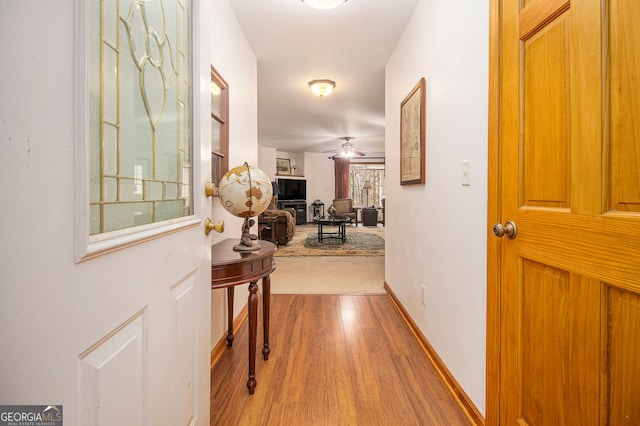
335, 360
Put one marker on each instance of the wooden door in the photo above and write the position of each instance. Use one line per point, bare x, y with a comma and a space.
564, 294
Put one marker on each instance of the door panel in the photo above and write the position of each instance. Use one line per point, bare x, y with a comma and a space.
569, 177
185, 332
546, 116
118, 361
544, 351
624, 92
623, 343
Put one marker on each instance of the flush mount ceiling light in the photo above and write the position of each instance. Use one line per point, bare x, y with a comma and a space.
322, 88
324, 4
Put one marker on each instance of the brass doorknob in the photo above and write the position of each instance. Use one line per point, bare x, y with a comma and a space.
213, 226
209, 189
509, 229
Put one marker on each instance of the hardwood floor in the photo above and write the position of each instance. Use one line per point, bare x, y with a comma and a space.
335, 360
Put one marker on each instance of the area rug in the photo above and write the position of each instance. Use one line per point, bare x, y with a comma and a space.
360, 241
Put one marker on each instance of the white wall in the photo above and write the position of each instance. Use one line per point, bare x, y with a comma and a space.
267, 161
234, 59
436, 233
320, 181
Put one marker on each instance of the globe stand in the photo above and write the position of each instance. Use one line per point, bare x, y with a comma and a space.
246, 240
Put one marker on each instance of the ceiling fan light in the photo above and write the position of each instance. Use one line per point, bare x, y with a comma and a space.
322, 88
324, 4
346, 153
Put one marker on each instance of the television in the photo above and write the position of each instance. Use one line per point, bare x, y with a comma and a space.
292, 189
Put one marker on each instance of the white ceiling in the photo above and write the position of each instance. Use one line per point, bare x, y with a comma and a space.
295, 43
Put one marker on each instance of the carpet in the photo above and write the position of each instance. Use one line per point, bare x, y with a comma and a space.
328, 275
361, 241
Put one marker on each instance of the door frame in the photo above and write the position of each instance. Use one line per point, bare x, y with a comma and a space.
492, 408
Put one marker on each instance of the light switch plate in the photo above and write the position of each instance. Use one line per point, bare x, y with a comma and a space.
466, 173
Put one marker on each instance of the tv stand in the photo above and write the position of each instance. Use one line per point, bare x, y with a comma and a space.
300, 206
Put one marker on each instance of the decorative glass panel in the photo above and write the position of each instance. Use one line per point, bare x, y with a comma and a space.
140, 112
126, 215
154, 191
131, 190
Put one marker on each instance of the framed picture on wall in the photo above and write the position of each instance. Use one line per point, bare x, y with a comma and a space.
412, 129
283, 166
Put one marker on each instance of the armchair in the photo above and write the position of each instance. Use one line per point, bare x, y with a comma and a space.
286, 227
344, 207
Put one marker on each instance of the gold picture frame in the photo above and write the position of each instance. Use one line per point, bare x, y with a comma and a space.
412, 136
283, 166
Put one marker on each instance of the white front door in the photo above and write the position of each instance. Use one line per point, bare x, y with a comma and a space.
104, 296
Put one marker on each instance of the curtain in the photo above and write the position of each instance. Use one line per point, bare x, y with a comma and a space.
342, 177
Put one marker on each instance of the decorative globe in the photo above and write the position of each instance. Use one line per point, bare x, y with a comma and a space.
241, 198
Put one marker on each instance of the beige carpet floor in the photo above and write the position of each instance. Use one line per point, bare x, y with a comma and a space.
328, 275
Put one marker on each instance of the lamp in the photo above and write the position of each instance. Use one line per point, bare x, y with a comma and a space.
367, 186
324, 4
322, 88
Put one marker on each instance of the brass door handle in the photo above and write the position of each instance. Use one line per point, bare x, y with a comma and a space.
509, 229
209, 189
213, 226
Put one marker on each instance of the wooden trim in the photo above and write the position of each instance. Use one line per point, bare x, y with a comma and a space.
221, 346
492, 404
535, 16
462, 399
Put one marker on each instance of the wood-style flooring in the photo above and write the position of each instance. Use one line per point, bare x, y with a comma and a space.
335, 360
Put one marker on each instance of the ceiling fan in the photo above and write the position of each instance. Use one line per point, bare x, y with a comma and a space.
347, 149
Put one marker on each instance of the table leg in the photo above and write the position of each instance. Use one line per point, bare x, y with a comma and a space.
266, 302
230, 291
319, 233
253, 325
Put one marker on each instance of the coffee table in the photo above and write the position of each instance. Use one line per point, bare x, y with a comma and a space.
338, 221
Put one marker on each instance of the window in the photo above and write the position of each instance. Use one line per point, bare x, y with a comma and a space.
219, 127
140, 114
359, 173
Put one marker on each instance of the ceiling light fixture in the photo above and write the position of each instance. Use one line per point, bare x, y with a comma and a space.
324, 4
346, 153
322, 88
